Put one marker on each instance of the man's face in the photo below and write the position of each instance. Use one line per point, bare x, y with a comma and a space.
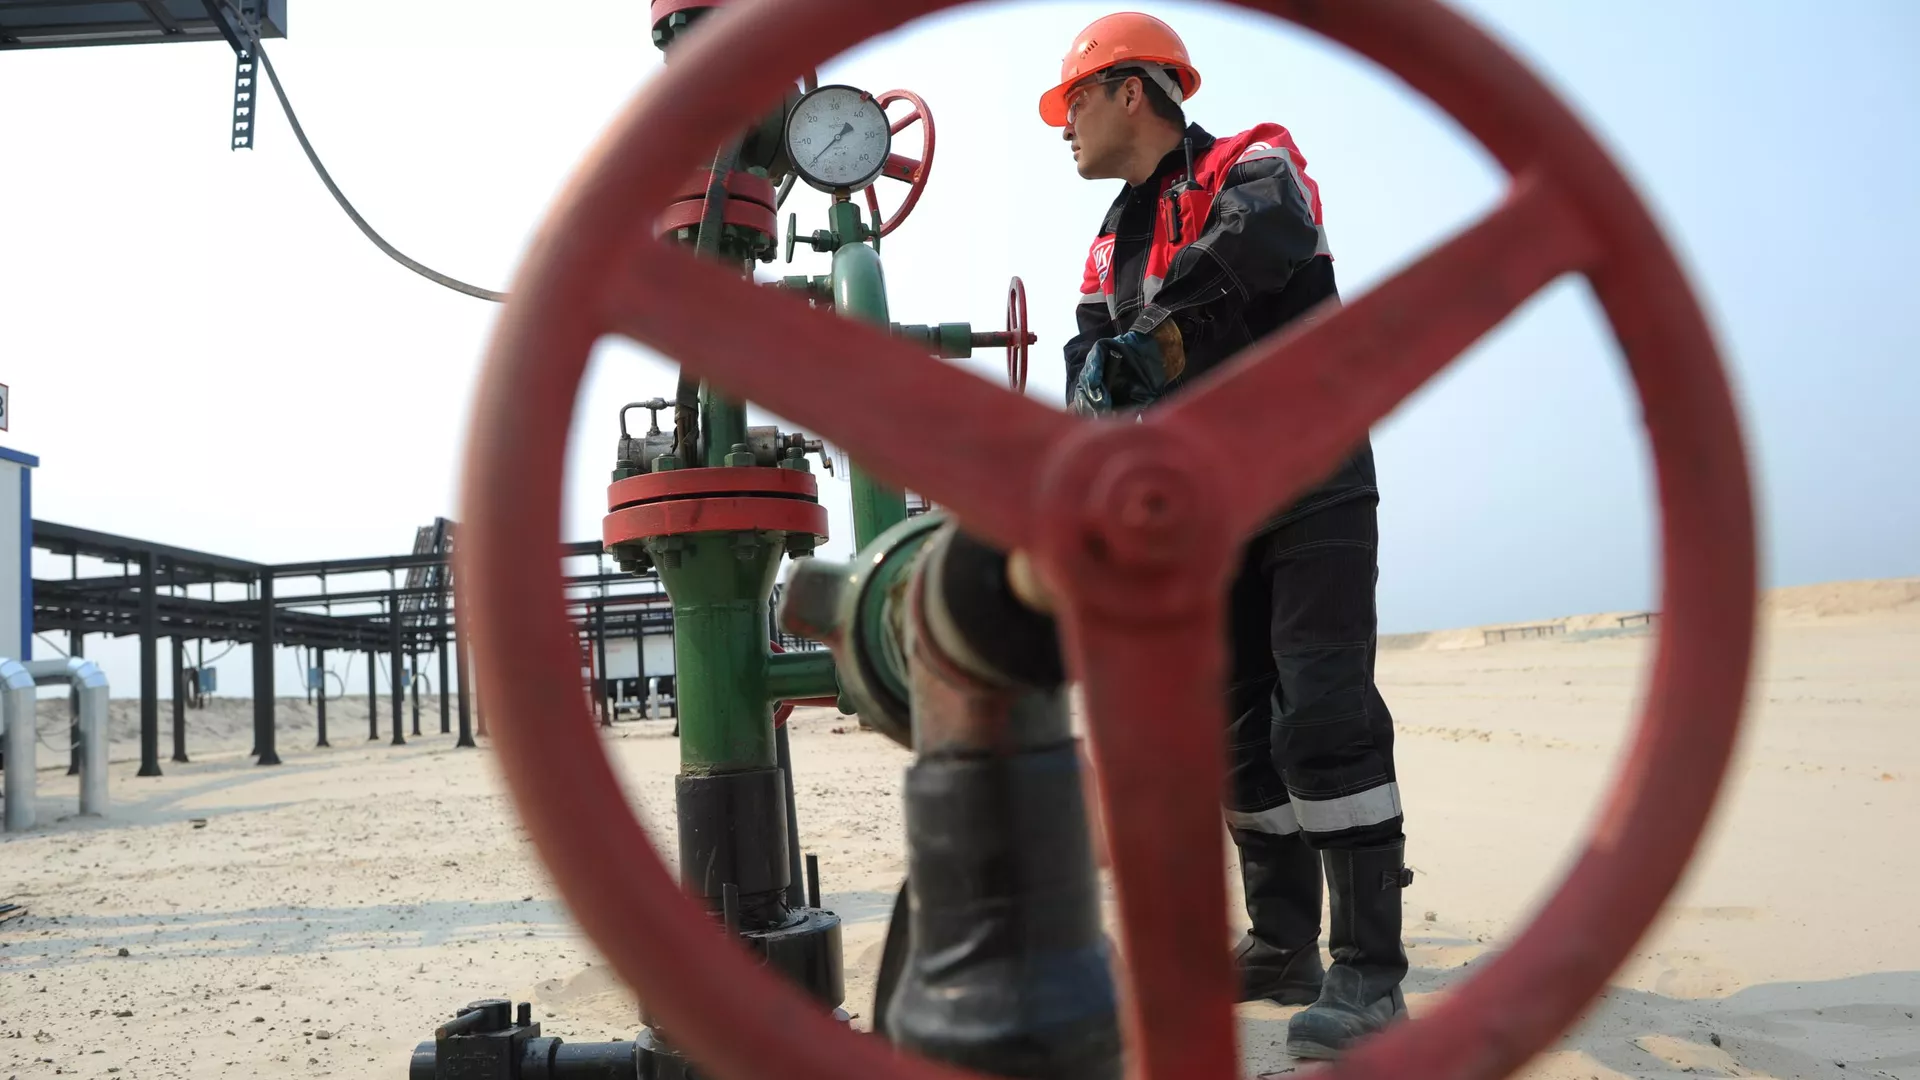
1099, 127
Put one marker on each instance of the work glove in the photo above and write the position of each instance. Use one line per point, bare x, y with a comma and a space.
1122, 374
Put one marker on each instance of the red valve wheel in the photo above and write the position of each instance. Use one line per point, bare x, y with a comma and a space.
900, 167
1020, 339
1133, 527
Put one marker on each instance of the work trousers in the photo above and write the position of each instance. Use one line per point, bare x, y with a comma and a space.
1310, 741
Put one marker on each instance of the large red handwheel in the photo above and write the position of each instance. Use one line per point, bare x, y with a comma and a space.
1131, 525
910, 171
1019, 340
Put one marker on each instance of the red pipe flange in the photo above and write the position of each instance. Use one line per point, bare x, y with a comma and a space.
700, 483
740, 185
1130, 525
912, 172
683, 501
1018, 339
686, 214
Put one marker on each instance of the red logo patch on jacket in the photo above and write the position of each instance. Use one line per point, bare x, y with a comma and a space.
1099, 275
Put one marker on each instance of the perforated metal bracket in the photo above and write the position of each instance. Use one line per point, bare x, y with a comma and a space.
239, 23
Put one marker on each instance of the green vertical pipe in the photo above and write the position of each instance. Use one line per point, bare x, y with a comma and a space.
719, 584
860, 291
724, 422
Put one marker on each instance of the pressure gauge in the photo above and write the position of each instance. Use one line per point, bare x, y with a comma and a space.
838, 138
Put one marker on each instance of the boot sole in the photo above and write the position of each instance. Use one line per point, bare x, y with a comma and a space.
1289, 997
1310, 1050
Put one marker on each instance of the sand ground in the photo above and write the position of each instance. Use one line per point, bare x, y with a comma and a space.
319, 918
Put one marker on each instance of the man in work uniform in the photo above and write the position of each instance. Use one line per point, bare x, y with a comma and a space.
1213, 243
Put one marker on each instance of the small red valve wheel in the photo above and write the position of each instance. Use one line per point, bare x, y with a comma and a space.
1134, 527
899, 167
1019, 340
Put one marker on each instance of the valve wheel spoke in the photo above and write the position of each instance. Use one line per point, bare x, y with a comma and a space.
1318, 385
901, 167
1164, 842
963, 443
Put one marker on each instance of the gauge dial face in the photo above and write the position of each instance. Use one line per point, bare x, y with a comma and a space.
838, 138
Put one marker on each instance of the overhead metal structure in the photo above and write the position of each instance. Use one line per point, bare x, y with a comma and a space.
175, 592
55, 24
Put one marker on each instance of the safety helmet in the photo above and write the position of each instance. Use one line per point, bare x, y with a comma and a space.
1123, 40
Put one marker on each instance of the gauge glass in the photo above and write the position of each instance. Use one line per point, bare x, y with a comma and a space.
838, 138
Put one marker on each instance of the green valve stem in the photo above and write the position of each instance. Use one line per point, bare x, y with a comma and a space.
948, 341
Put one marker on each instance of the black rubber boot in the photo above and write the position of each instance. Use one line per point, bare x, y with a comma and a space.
1361, 994
1279, 958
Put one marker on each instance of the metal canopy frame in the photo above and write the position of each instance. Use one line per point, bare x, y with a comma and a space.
54, 24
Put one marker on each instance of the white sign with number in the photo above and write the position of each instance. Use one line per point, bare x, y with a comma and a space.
6, 412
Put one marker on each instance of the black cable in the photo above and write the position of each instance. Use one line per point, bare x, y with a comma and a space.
378, 241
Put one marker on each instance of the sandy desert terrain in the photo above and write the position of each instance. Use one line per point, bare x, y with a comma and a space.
319, 918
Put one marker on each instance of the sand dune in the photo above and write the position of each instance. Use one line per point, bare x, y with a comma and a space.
367, 890
1861, 599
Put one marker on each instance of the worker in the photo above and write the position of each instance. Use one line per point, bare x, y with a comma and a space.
1213, 243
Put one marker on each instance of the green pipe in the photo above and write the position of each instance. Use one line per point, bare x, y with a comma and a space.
795, 675
860, 291
719, 583
724, 423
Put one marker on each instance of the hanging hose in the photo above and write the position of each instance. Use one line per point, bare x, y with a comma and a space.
40, 736
253, 42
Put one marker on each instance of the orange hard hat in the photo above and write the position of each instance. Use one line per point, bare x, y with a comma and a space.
1124, 39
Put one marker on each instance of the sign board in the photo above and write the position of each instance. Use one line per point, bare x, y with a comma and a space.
6, 407
209, 680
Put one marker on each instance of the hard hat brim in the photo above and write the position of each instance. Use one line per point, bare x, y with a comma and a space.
1053, 103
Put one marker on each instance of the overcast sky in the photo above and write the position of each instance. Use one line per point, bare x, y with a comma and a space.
204, 352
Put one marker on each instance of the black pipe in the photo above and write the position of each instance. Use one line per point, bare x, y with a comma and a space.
413, 682
76, 648
783, 756
394, 645
541, 1058
149, 671
441, 648
813, 881
373, 697
730, 908
320, 663
1008, 969
179, 700
263, 689
600, 644
460, 669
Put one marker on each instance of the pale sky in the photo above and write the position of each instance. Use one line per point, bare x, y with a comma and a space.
204, 352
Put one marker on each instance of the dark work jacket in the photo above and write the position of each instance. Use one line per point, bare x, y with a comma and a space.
1245, 253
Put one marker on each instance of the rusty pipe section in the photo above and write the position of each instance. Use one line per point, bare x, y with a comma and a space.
984, 670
